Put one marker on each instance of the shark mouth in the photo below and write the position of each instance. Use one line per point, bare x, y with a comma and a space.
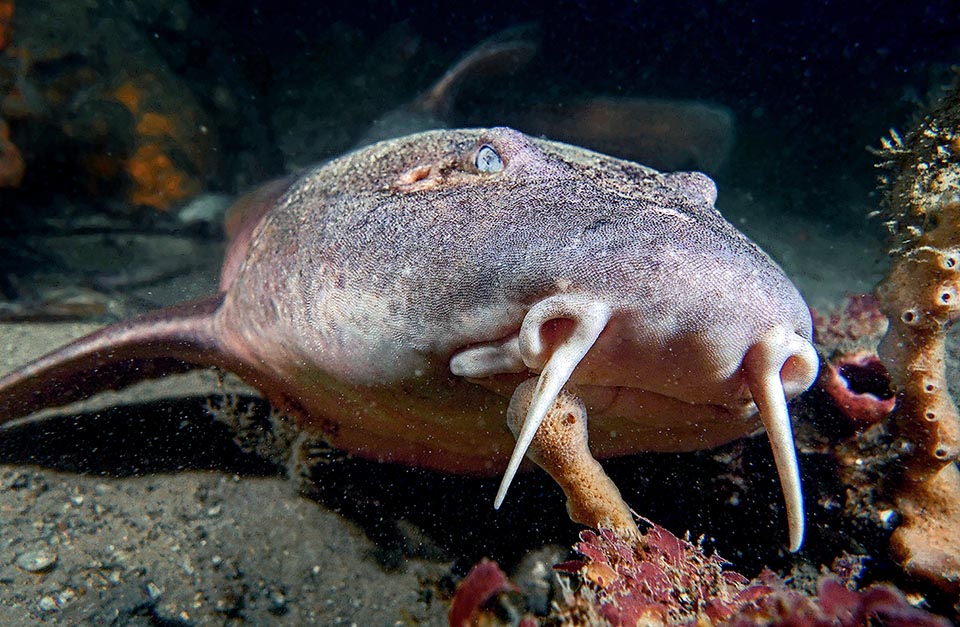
781, 364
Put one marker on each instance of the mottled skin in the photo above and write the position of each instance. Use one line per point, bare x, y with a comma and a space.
368, 294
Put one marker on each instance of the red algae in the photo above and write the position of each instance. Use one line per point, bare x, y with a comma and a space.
477, 592
662, 580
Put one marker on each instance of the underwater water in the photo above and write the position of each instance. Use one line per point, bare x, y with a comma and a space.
127, 131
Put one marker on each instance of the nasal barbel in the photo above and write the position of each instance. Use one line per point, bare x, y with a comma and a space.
556, 361
782, 364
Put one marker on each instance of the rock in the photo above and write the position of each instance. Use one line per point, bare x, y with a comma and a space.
37, 561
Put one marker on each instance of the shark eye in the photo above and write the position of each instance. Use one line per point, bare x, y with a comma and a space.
488, 160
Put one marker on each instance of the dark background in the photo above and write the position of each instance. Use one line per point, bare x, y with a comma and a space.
820, 80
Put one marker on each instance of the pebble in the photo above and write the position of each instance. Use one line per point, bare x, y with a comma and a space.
278, 602
228, 603
888, 517
38, 561
154, 591
65, 596
208, 208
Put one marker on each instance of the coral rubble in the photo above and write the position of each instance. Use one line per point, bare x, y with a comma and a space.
157, 180
658, 580
11, 161
91, 93
921, 297
477, 596
6, 18
661, 580
834, 606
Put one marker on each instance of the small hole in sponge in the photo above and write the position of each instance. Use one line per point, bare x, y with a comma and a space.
571, 419
940, 453
909, 316
869, 377
930, 416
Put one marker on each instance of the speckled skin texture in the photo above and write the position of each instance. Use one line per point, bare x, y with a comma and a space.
374, 269
360, 280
